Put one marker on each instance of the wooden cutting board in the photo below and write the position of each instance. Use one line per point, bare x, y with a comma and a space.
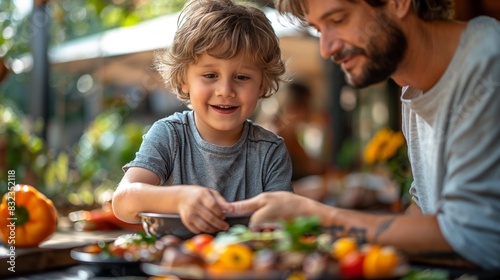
52, 253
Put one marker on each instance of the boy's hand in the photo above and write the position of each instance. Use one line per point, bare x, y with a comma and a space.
201, 209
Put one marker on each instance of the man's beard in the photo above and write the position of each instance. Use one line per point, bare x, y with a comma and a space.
383, 60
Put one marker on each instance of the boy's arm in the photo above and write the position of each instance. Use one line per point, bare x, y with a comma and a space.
138, 191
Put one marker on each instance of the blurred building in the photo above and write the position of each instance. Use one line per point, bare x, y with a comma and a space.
114, 67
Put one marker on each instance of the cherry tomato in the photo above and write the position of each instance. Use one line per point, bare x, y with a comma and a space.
351, 265
343, 246
308, 239
92, 249
380, 263
116, 250
198, 242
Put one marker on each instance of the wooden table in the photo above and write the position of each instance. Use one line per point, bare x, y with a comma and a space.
51, 254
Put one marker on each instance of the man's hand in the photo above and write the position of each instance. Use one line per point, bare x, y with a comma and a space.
273, 206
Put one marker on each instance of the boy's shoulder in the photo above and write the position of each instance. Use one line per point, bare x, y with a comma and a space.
177, 117
258, 133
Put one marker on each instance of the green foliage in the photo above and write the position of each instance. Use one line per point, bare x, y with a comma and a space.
106, 145
14, 39
73, 19
20, 150
348, 154
78, 174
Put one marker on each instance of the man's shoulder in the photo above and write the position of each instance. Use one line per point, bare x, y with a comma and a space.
483, 35
479, 54
484, 22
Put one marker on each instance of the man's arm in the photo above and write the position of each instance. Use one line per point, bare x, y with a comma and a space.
415, 234
414, 210
418, 236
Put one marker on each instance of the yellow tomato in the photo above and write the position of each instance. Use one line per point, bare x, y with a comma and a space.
235, 257
189, 246
342, 246
296, 275
380, 262
210, 253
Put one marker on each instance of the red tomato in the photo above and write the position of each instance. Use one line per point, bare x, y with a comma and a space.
201, 240
351, 265
116, 250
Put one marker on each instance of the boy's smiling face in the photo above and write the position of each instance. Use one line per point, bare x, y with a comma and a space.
223, 94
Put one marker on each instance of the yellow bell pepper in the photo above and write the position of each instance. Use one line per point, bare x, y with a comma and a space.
27, 217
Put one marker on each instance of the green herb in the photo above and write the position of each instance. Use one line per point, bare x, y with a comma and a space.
427, 274
301, 234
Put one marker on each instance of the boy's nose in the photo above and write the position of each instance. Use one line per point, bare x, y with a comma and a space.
225, 88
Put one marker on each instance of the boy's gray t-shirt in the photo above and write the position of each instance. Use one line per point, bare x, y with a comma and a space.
453, 134
174, 150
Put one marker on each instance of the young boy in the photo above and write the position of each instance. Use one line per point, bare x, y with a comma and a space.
224, 58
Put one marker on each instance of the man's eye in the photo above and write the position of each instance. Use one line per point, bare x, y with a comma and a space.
337, 20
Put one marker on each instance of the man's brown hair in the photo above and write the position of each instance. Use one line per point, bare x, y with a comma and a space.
427, 10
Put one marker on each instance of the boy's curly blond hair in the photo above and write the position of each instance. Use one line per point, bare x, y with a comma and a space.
223, 29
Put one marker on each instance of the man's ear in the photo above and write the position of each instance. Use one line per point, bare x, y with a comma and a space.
399, 8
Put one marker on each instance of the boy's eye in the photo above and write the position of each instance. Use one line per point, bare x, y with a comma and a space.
210, 76
241, 77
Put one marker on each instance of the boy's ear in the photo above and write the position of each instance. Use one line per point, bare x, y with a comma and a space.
262, 90
399, 8
185, 87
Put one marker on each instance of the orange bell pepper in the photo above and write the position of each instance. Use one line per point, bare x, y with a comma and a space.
27, 216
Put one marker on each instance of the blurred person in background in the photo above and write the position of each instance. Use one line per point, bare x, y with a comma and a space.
291, 120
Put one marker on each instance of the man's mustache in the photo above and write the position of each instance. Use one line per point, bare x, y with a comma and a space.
346, 53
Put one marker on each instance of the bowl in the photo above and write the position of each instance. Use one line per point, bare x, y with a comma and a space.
158, 224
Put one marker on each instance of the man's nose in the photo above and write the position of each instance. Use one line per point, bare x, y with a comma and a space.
329, 45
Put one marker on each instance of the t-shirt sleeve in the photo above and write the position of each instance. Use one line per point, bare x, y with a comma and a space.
278, 171
469, 215
156, 152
